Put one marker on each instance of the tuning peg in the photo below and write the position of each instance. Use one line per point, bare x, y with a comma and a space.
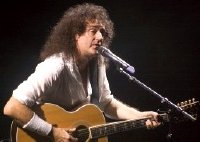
193, 100
182, 104
186, 105
190, 103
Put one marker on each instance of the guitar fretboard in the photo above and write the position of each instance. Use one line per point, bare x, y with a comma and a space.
116, 127
121, 126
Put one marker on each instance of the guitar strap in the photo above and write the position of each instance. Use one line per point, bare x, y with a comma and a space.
93, 73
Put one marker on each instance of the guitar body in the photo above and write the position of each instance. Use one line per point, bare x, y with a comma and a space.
87, 115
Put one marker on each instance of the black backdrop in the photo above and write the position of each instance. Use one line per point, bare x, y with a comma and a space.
159, 38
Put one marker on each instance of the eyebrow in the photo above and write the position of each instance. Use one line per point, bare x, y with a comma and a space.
96, 26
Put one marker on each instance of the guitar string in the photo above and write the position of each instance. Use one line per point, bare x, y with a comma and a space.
110, 129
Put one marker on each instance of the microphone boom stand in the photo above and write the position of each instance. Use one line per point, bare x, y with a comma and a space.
163, 99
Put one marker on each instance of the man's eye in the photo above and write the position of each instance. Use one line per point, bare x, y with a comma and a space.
93, 31
103, 32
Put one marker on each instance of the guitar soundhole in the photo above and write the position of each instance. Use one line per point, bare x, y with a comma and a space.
82, 133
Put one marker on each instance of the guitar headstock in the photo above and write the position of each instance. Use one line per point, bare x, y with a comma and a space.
190, 106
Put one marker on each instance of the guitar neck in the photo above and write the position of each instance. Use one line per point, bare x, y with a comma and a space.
121, 126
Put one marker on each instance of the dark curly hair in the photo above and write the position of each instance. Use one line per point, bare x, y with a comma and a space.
74, 21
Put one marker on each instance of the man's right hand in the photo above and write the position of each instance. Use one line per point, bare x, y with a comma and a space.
62, 135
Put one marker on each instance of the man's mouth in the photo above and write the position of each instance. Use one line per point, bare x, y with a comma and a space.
97, 45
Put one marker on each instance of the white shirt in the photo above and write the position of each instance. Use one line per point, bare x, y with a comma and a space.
57, 80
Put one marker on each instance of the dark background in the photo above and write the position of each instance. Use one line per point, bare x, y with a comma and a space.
160, 38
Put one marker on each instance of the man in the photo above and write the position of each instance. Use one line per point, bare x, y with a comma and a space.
71, 74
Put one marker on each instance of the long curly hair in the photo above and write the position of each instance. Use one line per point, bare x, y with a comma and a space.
73, 22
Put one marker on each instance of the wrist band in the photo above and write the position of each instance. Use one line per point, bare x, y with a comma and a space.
38, 125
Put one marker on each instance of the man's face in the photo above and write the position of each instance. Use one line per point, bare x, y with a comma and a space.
92, 38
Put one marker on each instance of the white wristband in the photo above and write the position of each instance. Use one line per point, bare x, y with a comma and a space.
38, 125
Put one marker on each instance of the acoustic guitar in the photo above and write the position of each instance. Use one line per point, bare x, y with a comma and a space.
88, 120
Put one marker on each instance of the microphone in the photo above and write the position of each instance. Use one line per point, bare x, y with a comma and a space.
122, 64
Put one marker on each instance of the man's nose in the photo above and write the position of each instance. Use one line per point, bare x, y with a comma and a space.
99, 35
